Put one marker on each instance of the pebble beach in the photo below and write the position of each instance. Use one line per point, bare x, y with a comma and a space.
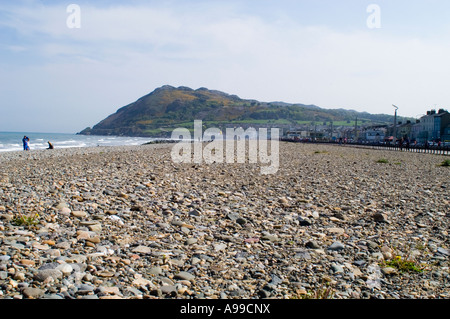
126, 222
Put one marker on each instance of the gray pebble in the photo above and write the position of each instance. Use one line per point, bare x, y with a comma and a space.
336, 246
33, 293
443, 251
184, 275
5, 257
42, 275
312, 244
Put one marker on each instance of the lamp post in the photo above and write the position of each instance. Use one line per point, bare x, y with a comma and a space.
395, 124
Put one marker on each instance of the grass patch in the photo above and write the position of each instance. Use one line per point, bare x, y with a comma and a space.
403, 265
27, 221
445, 163
319, 293
383, 161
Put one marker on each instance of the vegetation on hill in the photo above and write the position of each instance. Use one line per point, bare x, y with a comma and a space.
167, 108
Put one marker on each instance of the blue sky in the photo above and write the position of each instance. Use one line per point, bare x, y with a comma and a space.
59, 79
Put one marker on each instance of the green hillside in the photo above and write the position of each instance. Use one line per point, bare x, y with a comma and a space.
167, 108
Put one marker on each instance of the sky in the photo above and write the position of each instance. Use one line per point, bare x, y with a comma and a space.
64, 68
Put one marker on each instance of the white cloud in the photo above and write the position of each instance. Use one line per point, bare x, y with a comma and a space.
15, 48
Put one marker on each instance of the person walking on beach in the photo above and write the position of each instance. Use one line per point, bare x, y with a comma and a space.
25, 141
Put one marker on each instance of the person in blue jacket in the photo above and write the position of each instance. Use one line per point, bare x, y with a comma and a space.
25, 141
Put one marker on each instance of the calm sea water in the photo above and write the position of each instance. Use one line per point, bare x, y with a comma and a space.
12, 141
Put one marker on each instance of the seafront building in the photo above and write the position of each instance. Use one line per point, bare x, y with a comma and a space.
431, 127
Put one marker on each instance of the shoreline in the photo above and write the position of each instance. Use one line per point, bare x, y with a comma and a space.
127, 222
10, 142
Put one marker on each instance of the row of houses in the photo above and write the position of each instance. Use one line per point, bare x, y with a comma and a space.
434, 126
431, 127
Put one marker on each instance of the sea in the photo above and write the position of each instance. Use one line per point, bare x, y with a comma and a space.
12, 141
